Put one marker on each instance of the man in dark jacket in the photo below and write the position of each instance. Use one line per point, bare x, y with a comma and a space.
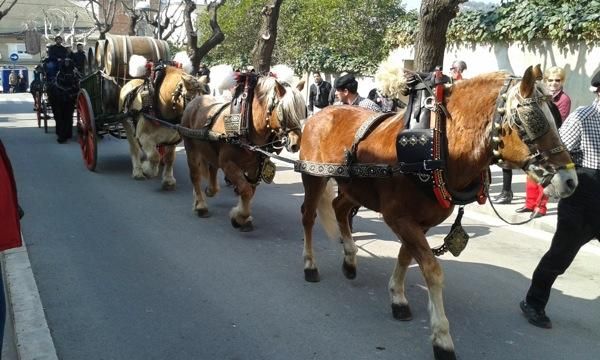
318, 97
79, 59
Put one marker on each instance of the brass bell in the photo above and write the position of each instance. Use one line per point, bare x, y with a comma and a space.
505, 96
500, 161
497, 126
496, 139
496, 153
501, 110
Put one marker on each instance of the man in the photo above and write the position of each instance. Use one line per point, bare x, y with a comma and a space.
577, 221
57, 51
346, 88
318, 97
457, 69
79, 59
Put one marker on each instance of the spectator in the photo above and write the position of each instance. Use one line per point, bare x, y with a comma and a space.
457, 68
13, 81
318, 97
79, 59
577, 222
535, 200
10, 214
346, 88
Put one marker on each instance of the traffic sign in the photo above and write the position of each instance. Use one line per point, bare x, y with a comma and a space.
14, 57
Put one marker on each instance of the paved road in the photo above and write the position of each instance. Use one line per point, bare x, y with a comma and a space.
126, 271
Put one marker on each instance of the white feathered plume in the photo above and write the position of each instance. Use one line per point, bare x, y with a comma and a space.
185, 61
222, 77
389, 78
284, 73
137, 66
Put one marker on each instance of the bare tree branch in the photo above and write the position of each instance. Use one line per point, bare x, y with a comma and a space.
103, 14
3, 13
134, 17
197, 53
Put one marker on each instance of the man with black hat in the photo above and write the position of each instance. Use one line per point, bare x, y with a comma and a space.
578, 214
57, 51
346, 88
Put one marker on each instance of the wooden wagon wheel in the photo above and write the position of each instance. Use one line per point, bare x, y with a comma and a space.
86, 129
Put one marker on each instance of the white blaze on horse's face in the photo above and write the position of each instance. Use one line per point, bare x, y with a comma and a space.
290, 111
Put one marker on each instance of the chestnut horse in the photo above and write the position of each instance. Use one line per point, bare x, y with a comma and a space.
408, 209
277, 110
144, 135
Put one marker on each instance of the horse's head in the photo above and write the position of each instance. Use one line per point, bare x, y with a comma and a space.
285, 109
529, 137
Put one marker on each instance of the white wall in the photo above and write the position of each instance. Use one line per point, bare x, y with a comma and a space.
579, 61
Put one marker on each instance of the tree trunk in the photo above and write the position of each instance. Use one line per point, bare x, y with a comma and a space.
197, 53
263, 49
433, 25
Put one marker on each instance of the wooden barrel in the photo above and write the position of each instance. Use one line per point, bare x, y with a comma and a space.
119, 49
99, 52
90, 67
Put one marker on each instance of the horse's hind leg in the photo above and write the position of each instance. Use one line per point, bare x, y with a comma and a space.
168, 180
400, 308
198, 169
342, 206
134, 150
314, 188
413, 237
213, 185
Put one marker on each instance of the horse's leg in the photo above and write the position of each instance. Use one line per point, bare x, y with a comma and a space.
400, 308
240, 214
342, 206
134, 150
198, 169
168, 180
313, 191
413, 237
213, 185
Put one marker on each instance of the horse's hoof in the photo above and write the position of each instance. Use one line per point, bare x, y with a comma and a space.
168, 186
312, 275
349, 271
209, 193
202, 213
138, 177
235, 224
401, 312
247, 226
443, 354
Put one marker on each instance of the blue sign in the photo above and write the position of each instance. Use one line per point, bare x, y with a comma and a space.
14, 57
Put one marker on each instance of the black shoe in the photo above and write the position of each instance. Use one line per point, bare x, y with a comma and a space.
535, 317
505, 197
524, 209
61, 140
535, 215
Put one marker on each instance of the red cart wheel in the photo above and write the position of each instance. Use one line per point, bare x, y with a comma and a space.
86, 129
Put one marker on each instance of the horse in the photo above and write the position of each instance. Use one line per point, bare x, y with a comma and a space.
273, 111
408, 208
62, 93
172, 90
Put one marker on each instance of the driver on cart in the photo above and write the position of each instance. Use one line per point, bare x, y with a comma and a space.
56, 54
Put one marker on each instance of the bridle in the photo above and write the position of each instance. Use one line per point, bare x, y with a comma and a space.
279, 135
531, 124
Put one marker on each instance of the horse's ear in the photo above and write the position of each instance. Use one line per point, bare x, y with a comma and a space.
537, 73
300, 85
528, 83
280, 89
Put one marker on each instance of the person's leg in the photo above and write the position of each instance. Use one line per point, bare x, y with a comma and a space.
541, 201
506, 195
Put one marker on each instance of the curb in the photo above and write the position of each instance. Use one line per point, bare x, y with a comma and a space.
31, 333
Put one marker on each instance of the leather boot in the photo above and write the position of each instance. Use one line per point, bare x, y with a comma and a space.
505, 197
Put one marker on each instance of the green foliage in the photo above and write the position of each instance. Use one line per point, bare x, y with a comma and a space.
327, 35
522, 21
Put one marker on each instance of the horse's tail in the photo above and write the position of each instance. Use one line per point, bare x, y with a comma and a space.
325, 212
